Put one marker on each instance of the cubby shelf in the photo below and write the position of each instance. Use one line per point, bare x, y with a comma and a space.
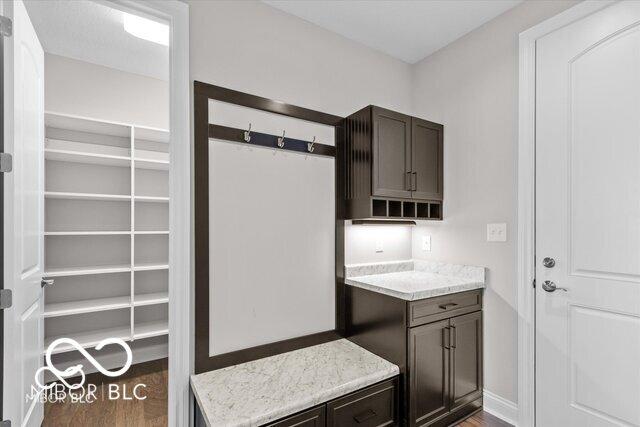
86, 306
91, 225
104, 304
85, 271
86, 196
86, 233
93, 338
86, 157
89, 339
151, 199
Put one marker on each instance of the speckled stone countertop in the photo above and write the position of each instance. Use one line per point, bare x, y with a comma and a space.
265, 390
415, 279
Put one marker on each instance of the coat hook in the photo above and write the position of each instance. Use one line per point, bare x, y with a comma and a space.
247, 134
310, 145
281, 140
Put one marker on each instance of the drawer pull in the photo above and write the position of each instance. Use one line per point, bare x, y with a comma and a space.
447, 305
366, 415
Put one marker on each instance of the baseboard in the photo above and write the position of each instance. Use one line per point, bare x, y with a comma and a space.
502, 408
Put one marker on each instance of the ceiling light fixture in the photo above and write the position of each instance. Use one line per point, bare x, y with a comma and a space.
146, 29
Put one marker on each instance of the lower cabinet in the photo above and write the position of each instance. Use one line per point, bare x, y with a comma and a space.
374, 406
445, 367
315, 417
437, 344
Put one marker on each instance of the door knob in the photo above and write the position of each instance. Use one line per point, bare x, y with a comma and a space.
549, 286
46, 282
549, 262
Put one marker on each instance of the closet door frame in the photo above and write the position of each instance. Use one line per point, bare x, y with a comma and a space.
181, 284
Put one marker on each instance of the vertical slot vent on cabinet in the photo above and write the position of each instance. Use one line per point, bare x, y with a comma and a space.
435, 211
378, 207
423, 210
408, 209
395, 208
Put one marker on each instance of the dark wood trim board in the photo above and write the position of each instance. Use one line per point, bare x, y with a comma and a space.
202, 93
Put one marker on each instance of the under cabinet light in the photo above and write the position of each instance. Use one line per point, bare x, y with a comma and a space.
146, 29
381, 222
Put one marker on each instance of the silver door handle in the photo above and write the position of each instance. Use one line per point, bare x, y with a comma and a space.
549, 286
46, 282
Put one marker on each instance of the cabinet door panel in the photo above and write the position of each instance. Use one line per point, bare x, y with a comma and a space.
466, 358
428, 372
392, 153
426, 160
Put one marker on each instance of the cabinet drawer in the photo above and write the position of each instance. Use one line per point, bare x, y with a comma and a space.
433, 309
374, 406
314, 417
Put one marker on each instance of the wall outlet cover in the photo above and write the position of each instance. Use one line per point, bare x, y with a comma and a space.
497, 232
426, 243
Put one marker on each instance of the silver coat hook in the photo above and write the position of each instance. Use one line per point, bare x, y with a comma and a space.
247, 134
310, 145
281, 140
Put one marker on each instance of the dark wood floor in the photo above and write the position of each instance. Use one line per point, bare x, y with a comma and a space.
152, 412
483, 419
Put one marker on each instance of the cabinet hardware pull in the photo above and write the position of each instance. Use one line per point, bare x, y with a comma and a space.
454, 339
407, 181
414, 181
447, 305
446, 338
367, 415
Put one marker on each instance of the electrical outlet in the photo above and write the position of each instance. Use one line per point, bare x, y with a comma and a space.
497, 232
379, 246
426, 243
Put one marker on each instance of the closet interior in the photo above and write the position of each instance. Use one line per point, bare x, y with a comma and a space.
106, 238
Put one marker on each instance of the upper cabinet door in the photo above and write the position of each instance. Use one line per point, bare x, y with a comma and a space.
427, 159
391, 153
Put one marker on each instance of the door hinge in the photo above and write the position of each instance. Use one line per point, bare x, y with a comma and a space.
6, 301
534, 283
6, 29
6, 162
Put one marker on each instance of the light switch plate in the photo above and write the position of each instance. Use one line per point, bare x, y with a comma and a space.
426, 243
497, 232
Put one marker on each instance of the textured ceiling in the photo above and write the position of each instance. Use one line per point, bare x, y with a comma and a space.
407, 30
92, 32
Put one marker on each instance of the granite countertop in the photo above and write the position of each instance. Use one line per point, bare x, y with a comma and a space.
415, 279
265, 390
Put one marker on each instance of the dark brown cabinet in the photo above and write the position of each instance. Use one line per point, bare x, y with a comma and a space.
374, 406
393, 166
391, 153
426, 159
314, 417
436, 343
428, 370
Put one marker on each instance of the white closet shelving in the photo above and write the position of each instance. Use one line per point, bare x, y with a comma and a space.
106, 236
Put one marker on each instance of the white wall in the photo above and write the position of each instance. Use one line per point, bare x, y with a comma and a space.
254, 48
80, 88
471, 86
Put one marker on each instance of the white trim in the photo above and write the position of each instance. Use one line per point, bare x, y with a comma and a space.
180, 206
526, 202
500, 407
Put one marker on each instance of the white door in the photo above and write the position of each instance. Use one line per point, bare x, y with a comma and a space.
24, 213
588, 221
